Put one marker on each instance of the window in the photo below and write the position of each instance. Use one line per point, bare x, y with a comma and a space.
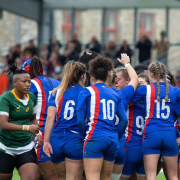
67, 25
146, 24
111, 25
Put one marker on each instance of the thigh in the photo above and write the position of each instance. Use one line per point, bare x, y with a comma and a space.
28, 171
93, 168
152, 143
41, 156
121, 153
60, 170
74, 169
57, 143
47, 170
106, 170
171, 166
7, 164
73, 148
150, 164
27, 157
169, 147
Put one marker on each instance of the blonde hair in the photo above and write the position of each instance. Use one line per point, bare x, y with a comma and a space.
111, 79
72, 74
159, 72
123, 71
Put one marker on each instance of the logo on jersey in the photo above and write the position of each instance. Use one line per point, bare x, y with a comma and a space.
27, 109
18, 109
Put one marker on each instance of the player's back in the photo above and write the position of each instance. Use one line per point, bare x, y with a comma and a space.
159, 114
41, 87
136, 119
102, 105
67, 110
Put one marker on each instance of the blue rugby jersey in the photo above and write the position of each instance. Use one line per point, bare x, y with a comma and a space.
101, 104
159, 115
66, 109
41, 87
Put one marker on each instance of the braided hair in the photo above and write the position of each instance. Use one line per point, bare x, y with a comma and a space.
159, 72
13, 69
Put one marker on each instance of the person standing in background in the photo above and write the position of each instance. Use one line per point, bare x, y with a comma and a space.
162, 48
144, 46
124, 49
4, 82
94, 45
77, 43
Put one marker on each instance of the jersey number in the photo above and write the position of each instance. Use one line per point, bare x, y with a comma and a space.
164, 106
107, 113
140, 125
68, 108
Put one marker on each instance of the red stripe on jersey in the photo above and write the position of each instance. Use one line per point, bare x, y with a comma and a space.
96, 114
59, 110
43, 108
152, 103
40, 149
130, 124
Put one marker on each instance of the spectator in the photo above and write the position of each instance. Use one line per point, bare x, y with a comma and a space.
58, 72
60, 58
94, 45
52, 43
111, 52
44, 61
27, 54
4, 81
12, 55
44, 50
18, 62
178, 78
77, 43
32, 47
124, 49
70, 52
144, 46
162, 47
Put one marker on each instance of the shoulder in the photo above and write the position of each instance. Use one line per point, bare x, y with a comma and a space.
7, 95
55, 82
31, 96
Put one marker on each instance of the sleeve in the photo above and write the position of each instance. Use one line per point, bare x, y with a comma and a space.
128, 91
120, 105
178, 94
82, 99
33, 89
177, 108
34, 100
52, 98
4, 106
139, 94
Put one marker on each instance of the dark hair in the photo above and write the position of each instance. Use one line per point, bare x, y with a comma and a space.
171, 79
13, 69
36, 68
99, 67
85, 59
140, 69
144, 76
87, 56
159, 72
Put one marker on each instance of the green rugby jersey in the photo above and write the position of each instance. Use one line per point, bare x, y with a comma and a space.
19, 112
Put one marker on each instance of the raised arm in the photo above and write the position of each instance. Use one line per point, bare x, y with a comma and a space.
132, 74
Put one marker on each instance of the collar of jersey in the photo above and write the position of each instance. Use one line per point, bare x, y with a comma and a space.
13, 91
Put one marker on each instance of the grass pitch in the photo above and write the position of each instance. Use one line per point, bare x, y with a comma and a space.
16, 176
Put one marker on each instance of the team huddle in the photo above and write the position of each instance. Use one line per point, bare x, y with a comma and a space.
98, 123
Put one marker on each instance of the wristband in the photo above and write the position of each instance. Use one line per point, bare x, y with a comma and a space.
127, 64
40, 133
25, 128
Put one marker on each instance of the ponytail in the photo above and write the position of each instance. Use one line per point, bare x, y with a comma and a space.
72, 74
